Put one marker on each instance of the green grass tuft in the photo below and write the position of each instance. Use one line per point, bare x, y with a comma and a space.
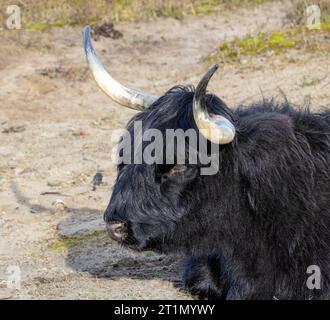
268, 44
252, 46
64, 244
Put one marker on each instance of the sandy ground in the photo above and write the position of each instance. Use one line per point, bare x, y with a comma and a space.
55, 134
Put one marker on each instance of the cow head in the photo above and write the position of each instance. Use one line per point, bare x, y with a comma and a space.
152, 203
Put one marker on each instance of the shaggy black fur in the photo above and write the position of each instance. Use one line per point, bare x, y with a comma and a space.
251, 230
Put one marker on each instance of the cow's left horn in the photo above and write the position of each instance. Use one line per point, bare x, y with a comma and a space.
125, 96
214, 128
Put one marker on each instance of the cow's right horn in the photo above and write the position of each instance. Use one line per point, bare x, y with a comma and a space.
125, 96
214, 128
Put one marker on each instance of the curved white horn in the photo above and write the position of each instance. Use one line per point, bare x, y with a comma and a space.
214, 128
125, 96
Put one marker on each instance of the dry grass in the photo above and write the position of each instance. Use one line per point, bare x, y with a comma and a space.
294, 36
298, 16
40, 14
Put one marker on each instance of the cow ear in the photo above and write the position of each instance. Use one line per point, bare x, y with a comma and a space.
180, 172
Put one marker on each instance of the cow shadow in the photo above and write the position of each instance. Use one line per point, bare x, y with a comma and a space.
89, 249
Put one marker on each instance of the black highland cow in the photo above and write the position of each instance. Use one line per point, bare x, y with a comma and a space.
248, 232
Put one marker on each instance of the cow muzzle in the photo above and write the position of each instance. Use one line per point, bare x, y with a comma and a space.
117, 231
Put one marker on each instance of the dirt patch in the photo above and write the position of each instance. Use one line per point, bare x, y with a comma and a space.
106, 30
45, 88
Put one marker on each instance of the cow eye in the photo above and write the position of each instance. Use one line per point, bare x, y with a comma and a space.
168, 171
162, 171
165, 176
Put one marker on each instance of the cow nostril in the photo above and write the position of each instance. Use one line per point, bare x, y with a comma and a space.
117, 231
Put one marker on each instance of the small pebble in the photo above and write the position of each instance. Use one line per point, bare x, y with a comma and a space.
59, 204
